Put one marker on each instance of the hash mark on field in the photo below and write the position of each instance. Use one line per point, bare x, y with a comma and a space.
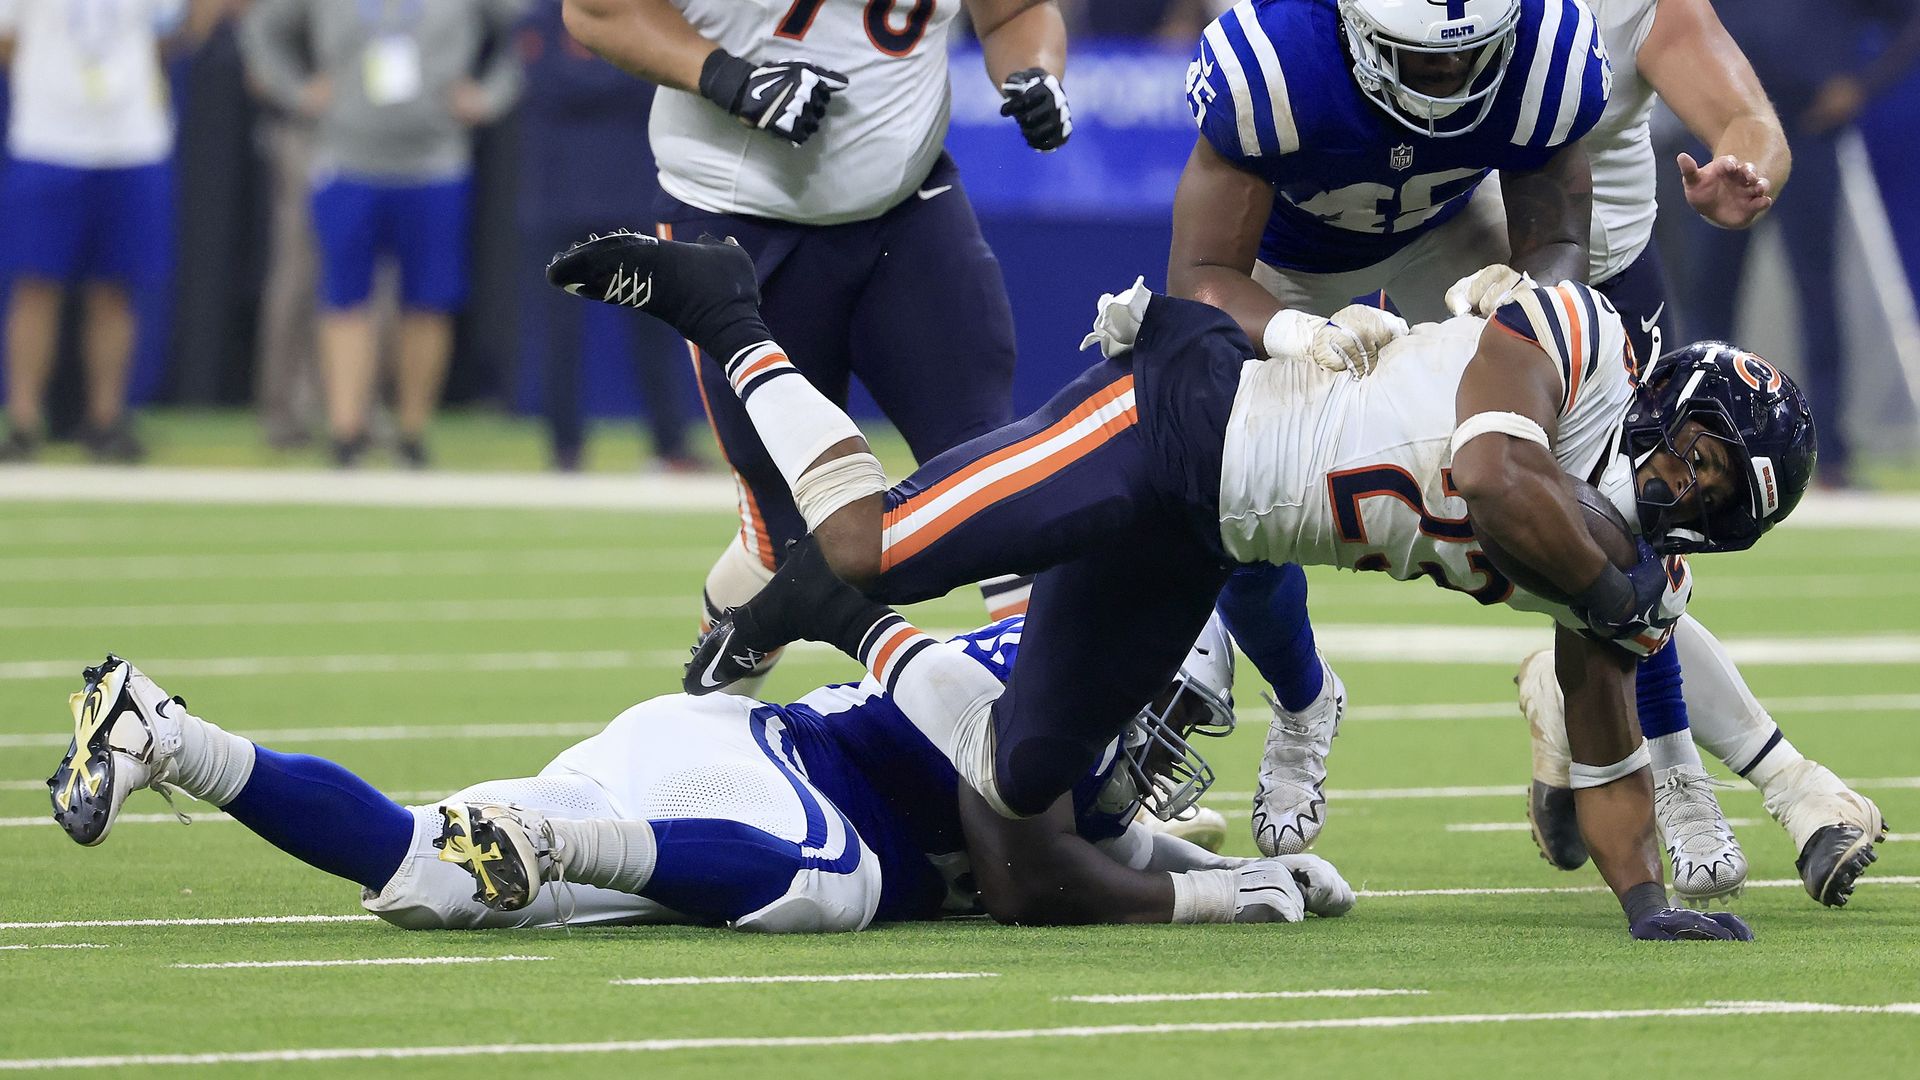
378, 961
900, 1038
74, 945
1236, 995
857, 976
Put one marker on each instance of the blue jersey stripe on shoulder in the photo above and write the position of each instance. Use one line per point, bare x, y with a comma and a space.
1258, 102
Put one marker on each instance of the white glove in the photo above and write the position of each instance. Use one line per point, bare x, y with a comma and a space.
1350, 341
1116, 320
1483, 291
1265, 891
1327, 893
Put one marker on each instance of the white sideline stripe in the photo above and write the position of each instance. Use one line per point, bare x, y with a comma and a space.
314, 487
109, 617
1510, 709
74, 945
1902, 837
1376, 894
389, 733
1775, 883
380, 961
854, 976
1236, 995
1401, 644
538, 491
897, 1038
1521, 826
365, 664
345, 564
239, 920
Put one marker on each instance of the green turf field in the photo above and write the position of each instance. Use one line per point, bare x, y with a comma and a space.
440, 647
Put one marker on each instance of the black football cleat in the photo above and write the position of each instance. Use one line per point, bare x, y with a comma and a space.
707, 291
1556, 829
1833, 861
803, 600
720, 658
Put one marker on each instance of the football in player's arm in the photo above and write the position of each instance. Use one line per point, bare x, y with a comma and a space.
1024, 41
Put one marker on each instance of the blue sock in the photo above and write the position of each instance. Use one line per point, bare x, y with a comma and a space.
715, 869
1663, 710
323, 815
1265, 608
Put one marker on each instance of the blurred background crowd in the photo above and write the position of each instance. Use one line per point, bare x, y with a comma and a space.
340, 240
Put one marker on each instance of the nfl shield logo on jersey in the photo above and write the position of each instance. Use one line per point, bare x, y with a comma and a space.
1401, 157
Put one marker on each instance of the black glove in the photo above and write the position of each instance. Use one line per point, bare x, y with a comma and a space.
786, 97
1035, 100
1679, 924
1634, 608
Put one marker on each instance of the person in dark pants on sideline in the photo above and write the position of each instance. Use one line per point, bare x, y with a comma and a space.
586, 166
1814, 68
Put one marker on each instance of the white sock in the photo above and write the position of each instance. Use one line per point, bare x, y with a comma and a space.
1727, 719
617, 855
211, 764
1674, 750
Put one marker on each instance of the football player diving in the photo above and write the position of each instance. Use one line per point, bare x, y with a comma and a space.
1143, 482
822, 815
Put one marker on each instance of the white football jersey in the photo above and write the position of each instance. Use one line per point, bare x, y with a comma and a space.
879, 139
1321, 468
1620, 146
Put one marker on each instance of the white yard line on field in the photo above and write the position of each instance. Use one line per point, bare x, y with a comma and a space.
367, 664
847, 977
1776, 883
349, 612
238, 920
1494, 791
377, 733
1399, 643
379, 961
350, 564
899, 1038
1510, 709
1237, 995
71, 945
1521, 826
439, 490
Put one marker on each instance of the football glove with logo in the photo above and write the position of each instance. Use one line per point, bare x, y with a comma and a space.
1350, 341
1636, 609
786, 97
1483, 291
1037, 103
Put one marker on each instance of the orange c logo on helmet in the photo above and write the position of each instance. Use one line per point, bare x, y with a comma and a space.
1756, 372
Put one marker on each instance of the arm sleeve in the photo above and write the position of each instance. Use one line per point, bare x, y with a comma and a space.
270, 46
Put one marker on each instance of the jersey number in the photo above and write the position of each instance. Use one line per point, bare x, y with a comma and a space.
1388, 209
879, 17
1345, 490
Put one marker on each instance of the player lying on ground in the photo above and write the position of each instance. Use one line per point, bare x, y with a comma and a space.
823, 815
1138, 487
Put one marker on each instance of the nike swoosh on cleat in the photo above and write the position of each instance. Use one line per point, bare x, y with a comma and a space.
707, 677
1646, 324
928, 193
574, 289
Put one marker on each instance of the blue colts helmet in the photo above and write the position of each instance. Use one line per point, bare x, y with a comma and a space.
1163, 769
1743, 402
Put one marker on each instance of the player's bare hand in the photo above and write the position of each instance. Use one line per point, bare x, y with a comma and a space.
1836, 104
1726, 191
467, 103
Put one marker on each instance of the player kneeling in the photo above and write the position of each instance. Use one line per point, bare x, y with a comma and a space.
823, 815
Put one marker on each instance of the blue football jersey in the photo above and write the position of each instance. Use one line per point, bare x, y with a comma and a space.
899, 791
1273, 92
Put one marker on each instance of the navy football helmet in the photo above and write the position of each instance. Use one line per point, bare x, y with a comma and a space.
1746, 404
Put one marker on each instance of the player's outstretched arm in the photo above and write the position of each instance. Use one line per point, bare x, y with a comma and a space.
649, 38
1700, 72
1549, 213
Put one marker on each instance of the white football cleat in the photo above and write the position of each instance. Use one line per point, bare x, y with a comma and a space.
125, 733
1196, 825
1556, 829
1833, 828
1290, 803
509, 851
1708, 864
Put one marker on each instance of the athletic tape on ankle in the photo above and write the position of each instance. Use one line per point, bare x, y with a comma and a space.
1504, 423
1205, 896
1592, 776
822, 490
794, 420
